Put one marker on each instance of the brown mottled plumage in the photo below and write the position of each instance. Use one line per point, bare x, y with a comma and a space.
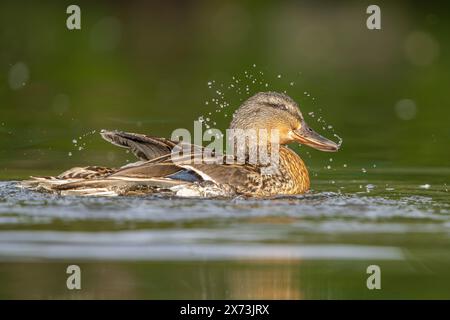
157, 171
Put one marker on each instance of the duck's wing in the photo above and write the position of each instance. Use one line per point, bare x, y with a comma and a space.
147, 148
213, 169
147, 170
142, 146
208, 167
227, 178
153, 172
158, 170
150, 177
243, 177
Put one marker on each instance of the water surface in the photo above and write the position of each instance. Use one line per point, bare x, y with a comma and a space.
311, 246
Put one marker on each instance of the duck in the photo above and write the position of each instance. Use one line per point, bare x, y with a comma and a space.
158, 172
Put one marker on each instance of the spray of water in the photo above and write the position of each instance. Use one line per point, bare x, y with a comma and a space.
79, 143
245, 84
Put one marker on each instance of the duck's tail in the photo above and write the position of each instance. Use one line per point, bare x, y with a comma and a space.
96, 181
74, 175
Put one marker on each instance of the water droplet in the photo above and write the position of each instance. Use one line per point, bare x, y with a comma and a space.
340, 140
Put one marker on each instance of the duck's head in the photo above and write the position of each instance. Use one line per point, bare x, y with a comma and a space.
277, 111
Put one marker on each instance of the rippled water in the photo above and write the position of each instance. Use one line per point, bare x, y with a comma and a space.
313, 246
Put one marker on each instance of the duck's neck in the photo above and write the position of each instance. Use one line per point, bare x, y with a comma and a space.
288, 175
295, 171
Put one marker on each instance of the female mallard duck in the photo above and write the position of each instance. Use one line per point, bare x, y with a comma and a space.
158, 172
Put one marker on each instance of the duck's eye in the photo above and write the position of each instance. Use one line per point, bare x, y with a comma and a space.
280, 106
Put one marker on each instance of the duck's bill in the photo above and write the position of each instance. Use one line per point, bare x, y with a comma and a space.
309, 137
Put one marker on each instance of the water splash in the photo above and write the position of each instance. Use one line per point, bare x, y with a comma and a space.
79, 143
340, 140
243, 85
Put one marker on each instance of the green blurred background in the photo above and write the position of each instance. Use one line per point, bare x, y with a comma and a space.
145, 66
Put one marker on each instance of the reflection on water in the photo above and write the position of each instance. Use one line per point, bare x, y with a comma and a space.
313, 246
153, 246
264, 279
